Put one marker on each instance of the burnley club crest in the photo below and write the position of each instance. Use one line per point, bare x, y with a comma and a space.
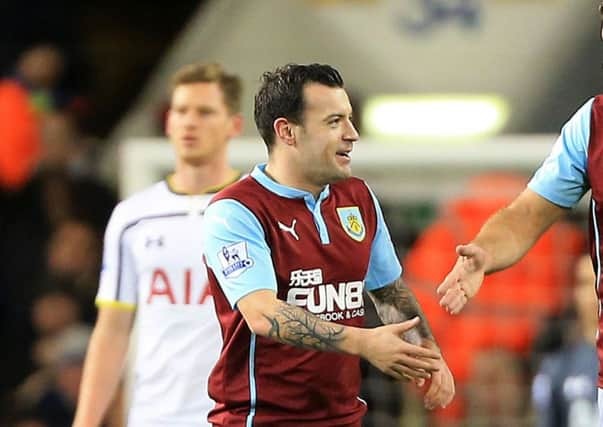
351, 221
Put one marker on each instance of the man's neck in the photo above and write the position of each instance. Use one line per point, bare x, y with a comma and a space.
190, 179
290, 177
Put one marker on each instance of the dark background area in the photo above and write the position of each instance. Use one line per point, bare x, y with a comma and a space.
111, 46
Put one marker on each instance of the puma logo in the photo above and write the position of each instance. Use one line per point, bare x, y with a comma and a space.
289, 229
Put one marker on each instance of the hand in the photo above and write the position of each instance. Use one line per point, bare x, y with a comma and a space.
385, 349
441, 389
465, 279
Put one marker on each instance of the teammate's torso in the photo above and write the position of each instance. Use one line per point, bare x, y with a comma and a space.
594, 168
320, 267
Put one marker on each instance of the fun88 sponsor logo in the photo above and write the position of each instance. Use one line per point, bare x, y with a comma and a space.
329, 301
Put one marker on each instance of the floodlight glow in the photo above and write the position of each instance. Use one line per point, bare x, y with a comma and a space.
434, 116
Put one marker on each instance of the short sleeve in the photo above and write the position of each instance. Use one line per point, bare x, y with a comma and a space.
236, 250
384, 266
562, 177
118, 279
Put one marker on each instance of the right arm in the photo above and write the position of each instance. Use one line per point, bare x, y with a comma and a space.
116, 300
502, 241
511, 232
104, 365
383, 347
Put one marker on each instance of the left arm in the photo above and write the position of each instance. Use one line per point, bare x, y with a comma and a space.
396, 303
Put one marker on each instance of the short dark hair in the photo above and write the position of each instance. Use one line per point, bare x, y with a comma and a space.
230, 84
281, 94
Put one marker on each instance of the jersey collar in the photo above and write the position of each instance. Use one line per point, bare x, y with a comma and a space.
259, 174
208, 190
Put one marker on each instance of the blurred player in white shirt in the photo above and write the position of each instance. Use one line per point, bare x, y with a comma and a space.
153, 268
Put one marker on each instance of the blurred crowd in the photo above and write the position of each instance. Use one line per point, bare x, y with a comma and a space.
54, 210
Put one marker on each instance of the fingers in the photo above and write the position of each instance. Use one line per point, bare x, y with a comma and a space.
427, 365
411, 368
419, 352
419, 382
453, 295
473, 257
404, 373
451, 280
441, 390
448, 283
454, 300
400, 328
466, 250
398, 376
430, 399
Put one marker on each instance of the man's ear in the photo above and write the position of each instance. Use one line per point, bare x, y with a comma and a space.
283, 129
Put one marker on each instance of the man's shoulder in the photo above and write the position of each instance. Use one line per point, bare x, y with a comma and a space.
246, 187
156, 199
353, 186
146, 196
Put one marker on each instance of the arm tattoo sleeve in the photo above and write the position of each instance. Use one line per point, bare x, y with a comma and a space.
296, 326
396, 303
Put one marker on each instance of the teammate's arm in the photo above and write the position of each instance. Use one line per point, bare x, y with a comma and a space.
562, 180
104, 364
270, 317
503, 240
510, 233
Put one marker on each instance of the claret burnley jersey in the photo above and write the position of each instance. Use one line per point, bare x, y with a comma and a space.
575, 166
152, 263
318, 254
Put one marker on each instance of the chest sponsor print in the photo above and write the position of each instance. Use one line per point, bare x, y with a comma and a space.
329, 301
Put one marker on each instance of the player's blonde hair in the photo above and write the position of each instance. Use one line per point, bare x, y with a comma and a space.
230, 84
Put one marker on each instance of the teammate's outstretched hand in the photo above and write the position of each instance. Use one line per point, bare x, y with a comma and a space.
465, 279
384, 348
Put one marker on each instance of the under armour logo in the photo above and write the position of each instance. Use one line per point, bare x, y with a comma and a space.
289, 229
154, 241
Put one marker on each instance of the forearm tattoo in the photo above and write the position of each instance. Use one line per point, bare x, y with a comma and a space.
296, 326
396, 303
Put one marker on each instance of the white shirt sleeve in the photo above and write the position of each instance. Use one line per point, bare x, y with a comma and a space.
118, 277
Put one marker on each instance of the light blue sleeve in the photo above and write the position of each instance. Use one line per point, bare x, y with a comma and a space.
236, 250
384, 266
562, 177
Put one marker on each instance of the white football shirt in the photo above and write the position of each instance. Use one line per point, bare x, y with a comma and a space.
152, 263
